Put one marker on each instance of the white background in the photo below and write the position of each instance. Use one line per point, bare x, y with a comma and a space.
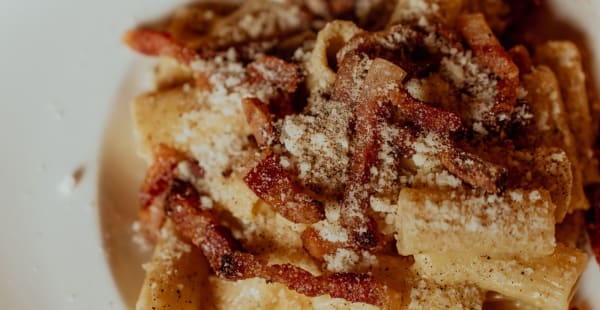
61, 67
61, 63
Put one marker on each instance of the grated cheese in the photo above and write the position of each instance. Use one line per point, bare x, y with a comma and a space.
318, 144
341, 260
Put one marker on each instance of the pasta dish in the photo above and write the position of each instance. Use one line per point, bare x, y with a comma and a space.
406, 154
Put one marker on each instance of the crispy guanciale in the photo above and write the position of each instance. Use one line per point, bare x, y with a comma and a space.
158, 43
369, 112
276, 186
425, 115
397, 44
161, 44
260, 121
275, 72
228, 260
473, 170
156, 183
201, 227
318, 247
492, 55
382, 85
152, 42
282, 81
269, 180
347, 83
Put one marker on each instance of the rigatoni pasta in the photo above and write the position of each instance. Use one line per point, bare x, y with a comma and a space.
552, 128
329, 41
545, 282
517, 223
564, 59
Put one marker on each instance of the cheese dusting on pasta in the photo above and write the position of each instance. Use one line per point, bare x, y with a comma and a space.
403, 158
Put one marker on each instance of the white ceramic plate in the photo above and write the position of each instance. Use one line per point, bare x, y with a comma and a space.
66, 81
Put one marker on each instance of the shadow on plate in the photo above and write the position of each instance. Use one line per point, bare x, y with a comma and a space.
120, 174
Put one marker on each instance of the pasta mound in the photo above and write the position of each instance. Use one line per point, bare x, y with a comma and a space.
402, 158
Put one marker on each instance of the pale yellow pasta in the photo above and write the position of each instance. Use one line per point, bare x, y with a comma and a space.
168, 117
545, 282
158, 117
515, 223
176, 276
552, 128
169, 73
426, 294
564, 59
329, 40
